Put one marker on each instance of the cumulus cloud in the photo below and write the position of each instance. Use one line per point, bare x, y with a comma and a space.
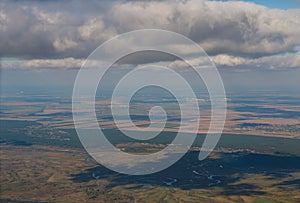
278, 62
51, 29
233, 33
66, 63
219, 27
286, 61
64, 44
227, 60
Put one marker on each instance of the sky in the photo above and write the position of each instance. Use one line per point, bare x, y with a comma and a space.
279, 4
44, 43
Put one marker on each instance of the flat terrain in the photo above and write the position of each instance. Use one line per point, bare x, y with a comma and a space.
41, 173
259, 114
257, 159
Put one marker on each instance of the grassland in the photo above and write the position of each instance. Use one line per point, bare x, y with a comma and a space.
53, 174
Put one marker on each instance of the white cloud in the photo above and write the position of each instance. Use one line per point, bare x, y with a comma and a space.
64, 44
286, 61
67, 63
235, 33
228, 60
53, 63
96, 30
219, 27
269, 62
